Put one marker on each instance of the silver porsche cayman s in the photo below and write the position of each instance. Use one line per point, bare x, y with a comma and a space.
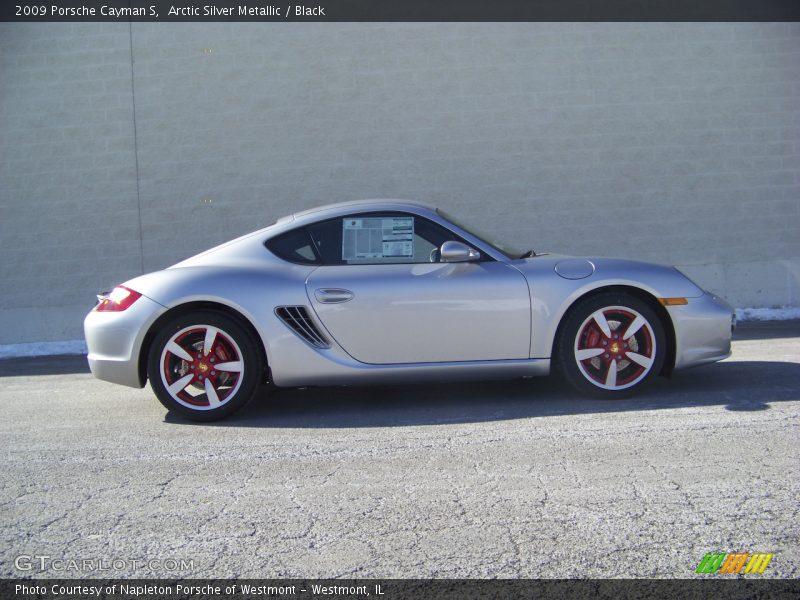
388, 292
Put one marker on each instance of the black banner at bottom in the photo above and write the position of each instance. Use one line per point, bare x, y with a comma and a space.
397, 589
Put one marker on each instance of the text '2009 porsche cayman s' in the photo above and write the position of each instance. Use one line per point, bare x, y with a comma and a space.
394, 292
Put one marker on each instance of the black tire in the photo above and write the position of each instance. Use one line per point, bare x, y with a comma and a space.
626, 364
232, 348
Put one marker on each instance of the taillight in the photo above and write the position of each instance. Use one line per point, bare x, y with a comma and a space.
118, 300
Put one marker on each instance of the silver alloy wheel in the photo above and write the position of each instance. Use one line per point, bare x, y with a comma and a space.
201, 367
615, 347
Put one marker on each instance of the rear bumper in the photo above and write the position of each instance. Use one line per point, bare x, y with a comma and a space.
703, 330
114, 340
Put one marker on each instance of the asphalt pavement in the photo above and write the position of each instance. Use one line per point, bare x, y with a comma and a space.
508, 479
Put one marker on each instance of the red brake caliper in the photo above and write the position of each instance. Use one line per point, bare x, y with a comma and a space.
594, 337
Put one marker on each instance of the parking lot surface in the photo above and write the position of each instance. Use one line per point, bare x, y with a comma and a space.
504, 479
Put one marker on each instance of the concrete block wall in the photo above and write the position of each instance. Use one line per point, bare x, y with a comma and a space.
68, 202
127, 148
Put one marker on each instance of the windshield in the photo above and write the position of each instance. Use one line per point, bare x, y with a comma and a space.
506, 249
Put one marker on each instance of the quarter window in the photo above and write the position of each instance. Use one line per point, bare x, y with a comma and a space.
294, 246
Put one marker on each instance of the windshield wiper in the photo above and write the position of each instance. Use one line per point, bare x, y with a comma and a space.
528, 254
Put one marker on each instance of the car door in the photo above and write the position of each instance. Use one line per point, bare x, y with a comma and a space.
382, 299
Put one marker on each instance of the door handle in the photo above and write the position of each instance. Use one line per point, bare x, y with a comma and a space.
333, 295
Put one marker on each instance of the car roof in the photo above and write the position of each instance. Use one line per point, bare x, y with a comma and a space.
339, 209
254, 240
360, 205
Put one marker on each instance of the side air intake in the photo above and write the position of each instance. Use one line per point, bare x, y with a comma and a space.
298, 320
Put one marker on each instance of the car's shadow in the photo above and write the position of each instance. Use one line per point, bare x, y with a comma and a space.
738, 386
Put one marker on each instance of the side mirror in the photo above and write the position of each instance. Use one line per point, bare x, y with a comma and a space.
453, 251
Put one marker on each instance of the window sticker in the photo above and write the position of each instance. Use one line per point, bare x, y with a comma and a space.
377, 237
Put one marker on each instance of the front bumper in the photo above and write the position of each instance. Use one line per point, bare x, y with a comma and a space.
114, 340
703, 331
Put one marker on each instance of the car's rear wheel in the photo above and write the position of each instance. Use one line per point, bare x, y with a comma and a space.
203, 366
610, 345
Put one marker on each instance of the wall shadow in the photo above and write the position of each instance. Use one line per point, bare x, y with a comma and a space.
44, 365
738, 386
764, 330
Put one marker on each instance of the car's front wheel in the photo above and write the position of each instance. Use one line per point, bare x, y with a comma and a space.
610, 345
203, 366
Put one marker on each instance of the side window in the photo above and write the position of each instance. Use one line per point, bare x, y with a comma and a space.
294, 246
395, 238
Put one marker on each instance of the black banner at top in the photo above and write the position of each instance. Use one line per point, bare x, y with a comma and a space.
400, 10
